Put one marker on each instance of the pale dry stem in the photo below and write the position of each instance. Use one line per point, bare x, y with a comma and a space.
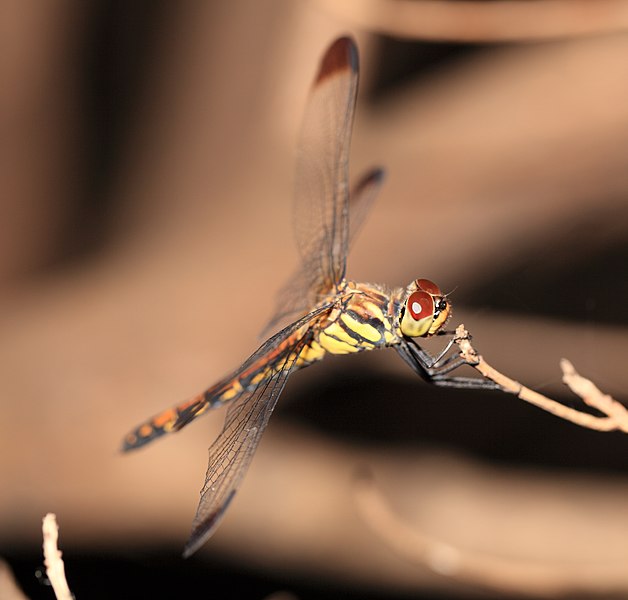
9, 589
616, 415
499, 573
55, 570
483, 20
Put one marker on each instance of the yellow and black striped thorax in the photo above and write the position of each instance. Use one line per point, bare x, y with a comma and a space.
363, 319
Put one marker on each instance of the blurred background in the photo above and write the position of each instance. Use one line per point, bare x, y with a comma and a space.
146, 162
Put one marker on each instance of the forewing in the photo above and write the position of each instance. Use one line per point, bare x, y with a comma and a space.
293, 298
361, 200
230, 455
322, 194
247, 417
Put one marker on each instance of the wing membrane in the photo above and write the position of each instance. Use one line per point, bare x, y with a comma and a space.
231, 454
295, 296
362, 196
322, 194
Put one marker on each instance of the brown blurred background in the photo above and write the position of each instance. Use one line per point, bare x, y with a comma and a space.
146, 160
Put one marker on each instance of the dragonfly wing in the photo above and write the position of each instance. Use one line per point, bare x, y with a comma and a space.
362, 197
247, 417
230, 455
292, 298
322, 194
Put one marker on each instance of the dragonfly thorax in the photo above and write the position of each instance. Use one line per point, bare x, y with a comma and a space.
361, 319
425, 309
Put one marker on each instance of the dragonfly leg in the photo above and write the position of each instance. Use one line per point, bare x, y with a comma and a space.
440, 359
436, 370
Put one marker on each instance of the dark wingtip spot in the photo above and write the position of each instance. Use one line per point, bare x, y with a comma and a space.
202, 533
341, 56
204, 530
373, 177
376, 175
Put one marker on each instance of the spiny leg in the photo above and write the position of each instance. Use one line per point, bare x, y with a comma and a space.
436, 370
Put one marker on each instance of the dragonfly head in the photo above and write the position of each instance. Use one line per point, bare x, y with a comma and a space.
425, 309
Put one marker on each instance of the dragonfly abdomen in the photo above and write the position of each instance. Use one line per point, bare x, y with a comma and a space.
178, 416
232, 387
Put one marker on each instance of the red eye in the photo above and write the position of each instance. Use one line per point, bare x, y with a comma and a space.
428, 286
420, 305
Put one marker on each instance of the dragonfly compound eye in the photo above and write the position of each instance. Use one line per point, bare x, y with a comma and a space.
420, 305
428, 286
418, 315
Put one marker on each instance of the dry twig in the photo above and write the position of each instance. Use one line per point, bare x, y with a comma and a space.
616, 414
55, 570
9, 589
507, 575
484, 20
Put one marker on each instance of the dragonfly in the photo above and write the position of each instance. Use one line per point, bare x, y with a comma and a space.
327, 313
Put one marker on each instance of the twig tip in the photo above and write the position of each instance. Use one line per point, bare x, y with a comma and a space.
567, 367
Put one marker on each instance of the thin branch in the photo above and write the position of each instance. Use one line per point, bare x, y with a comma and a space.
484, 20
9, 589
616, 414
507, 575
55, 570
